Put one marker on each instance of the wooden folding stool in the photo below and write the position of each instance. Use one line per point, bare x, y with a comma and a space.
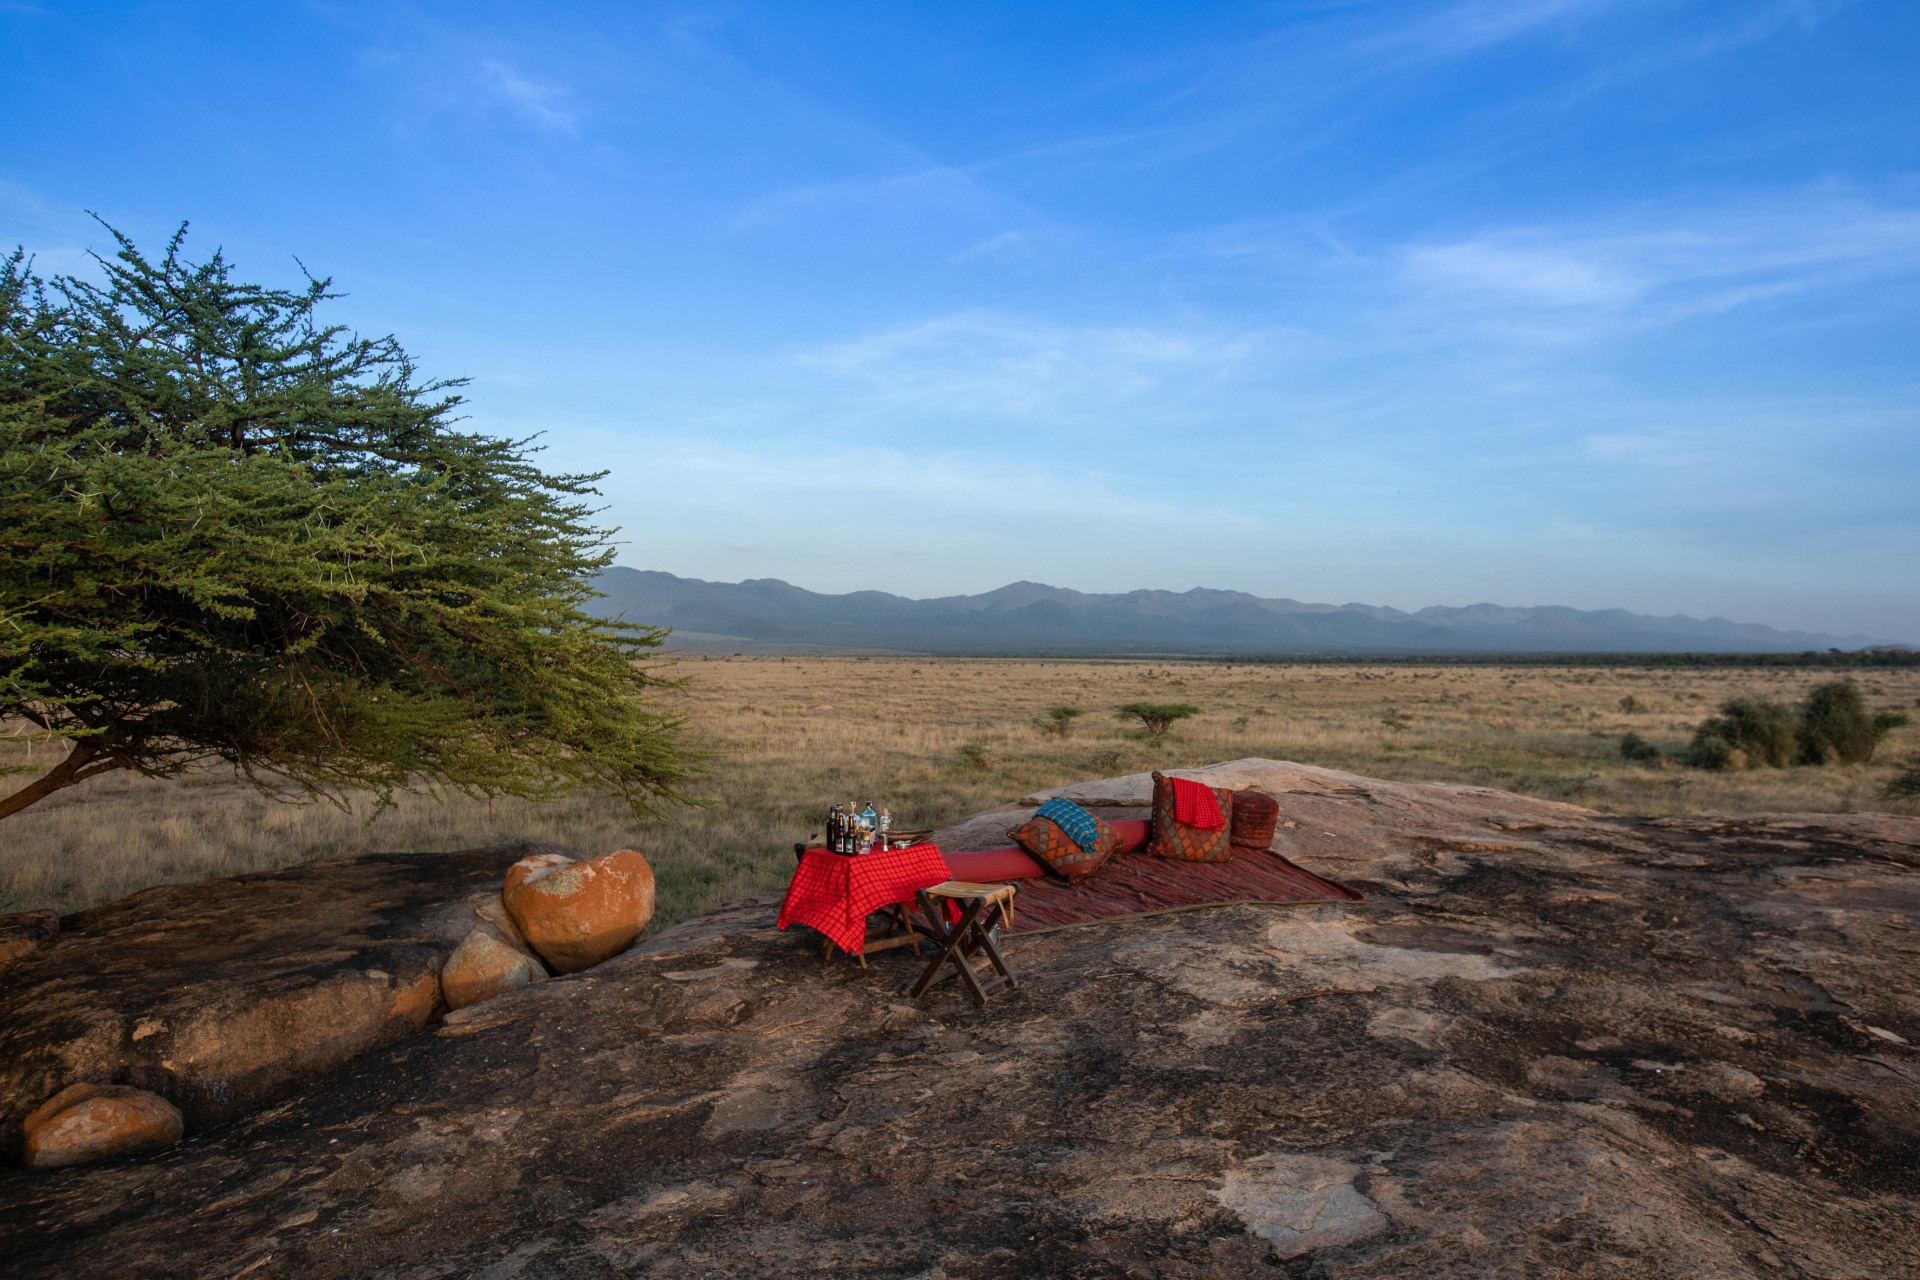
983, 909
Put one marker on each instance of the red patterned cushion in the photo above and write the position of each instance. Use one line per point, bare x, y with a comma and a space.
1174, 839
1043, 838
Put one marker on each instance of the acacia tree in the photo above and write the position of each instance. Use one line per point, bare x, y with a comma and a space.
234, 534
1157, 717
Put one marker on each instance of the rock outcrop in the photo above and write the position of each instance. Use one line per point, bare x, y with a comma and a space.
575, 914
224, 995
26, 933
98, 1122
1549, 1043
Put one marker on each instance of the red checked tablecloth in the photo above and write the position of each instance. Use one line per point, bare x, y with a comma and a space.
835, 893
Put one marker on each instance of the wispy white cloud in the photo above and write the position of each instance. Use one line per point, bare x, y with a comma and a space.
935, 188
1478, 24
1645, 268
1012, 366
543, 104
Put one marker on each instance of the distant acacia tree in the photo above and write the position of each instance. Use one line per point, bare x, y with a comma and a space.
234, 534
1157, 717
1059, 721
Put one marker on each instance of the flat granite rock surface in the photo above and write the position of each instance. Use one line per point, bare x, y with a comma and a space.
1551, 1043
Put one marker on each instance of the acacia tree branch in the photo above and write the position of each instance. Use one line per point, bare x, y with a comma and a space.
69, 771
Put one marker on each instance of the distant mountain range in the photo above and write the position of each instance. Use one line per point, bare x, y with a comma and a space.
1034, 619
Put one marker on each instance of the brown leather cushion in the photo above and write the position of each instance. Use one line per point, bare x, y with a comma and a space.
1255, 815
1177, 840
1043, 838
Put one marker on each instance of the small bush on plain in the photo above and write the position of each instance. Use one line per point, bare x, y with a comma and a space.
1832, 725
1059, 720
1904, 785
1635, 747
1837, 726
1762, 731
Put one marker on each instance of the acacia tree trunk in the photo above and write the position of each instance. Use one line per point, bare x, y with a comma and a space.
69, 771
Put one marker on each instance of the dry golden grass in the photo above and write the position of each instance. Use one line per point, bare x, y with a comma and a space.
938, 739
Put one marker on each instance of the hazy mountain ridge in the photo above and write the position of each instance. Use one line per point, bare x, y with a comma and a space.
1032, 617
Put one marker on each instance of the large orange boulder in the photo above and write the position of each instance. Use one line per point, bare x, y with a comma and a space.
490, 960
97, 1122
576, 914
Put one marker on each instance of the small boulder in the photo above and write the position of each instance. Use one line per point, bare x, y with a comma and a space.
576, 914
98, 1122
487, 963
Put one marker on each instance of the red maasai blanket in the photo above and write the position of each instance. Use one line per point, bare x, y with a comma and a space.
1133, 884
1195, 805
835, 893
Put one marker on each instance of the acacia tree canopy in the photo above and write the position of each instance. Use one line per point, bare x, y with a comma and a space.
232, 533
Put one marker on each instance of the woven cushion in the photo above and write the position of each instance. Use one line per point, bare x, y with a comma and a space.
1043, 838
1174, 839
1255, 814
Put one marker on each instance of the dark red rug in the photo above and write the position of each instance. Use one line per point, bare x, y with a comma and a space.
1133, 884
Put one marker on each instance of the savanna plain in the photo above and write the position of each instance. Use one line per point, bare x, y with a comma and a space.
937, 739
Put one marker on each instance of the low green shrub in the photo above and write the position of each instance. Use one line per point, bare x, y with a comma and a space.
1635, 747
1836, 725
1904, 785
1759, 731
1711, 751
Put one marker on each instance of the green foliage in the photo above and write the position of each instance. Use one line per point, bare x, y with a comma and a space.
1710, 751
1157, 717
973, 756
1748, 732
1635, 747
1833, 724
1059, 720
1904, 785
234, 534
1837, 726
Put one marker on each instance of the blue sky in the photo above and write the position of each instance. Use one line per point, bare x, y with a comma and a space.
1594, 302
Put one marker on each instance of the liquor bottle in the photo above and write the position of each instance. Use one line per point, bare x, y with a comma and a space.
886, 828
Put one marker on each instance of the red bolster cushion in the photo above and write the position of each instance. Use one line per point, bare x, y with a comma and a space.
1133, 833
985, 866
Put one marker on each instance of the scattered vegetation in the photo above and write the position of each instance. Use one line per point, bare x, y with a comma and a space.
1157, 717
1832, 725
1904, 785
1059, 720
1748, 733
1635, 747
238, 536
974, 756
1548, 731
1836, 725
1629, 705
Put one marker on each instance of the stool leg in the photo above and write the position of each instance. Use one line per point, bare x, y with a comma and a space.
951, 952
988, 945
